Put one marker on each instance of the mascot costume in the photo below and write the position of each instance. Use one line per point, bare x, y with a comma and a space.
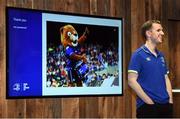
76, 61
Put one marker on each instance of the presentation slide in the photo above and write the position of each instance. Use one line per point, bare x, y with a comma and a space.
62, 54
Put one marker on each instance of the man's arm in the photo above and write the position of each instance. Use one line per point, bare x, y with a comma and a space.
132, 81
169, 88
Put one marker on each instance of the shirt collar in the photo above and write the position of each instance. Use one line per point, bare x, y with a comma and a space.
145, 49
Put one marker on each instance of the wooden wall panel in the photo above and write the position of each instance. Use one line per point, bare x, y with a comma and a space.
176, 107
126, 56
80, 6
137, 18
16, 108
2, 59
173, 9
87, 108
70, 107
174, 44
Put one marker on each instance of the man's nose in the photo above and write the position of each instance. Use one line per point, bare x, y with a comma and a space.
162, 33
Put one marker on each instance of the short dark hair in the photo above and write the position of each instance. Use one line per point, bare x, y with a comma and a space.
148, 25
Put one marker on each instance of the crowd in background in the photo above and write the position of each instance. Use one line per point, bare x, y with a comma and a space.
98, 59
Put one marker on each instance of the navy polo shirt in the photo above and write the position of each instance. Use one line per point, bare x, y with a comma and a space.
151, 72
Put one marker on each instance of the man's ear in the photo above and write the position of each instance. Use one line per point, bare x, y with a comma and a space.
148, 33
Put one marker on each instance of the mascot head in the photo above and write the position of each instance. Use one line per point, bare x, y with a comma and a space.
69, 36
